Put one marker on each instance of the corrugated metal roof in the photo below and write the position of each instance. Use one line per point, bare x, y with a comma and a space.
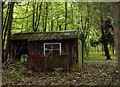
46, 35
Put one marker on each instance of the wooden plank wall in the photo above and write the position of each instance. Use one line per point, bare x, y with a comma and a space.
69, 55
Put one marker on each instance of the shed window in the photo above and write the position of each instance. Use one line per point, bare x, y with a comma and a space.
52, 48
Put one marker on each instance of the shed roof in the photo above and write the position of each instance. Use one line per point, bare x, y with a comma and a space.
46, 35
21, 36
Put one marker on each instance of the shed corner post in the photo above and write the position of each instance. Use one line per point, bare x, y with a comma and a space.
80, 54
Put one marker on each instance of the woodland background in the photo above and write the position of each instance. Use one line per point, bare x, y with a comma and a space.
99, 23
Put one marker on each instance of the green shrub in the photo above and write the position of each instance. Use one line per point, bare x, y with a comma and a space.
58, 69
29, 72
15, 75
28, 79
23, 70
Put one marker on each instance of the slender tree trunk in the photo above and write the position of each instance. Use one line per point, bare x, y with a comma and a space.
1, 18
86, 50
9, 30
46, 16
52, 22
35, 29
33, 15
59, 27
40, 8
102, 48
43, 22
95, 49
4, 28
83, 55
72, 12
27, 19
65, 15
113, 50
116, 17
5, 17
78, 28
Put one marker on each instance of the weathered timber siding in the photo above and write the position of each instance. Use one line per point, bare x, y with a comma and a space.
69, 55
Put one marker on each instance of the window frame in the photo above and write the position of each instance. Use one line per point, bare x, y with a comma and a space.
52, 43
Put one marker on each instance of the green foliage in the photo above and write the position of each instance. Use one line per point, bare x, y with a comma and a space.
29, 72
15, 75
28, 79
116, 82
84, 16
23, 15
52, 78
108, 35
94, 43
99, 56
25, 71
58, 69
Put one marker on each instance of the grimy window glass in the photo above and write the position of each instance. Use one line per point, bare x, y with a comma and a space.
52, 48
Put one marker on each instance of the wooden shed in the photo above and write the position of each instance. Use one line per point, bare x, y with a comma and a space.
49, 50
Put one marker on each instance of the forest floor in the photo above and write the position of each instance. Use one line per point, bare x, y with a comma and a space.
95, 72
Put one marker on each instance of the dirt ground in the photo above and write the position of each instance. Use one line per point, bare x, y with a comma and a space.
95, 72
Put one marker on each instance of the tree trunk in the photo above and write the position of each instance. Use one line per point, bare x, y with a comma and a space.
59, 27
113, 50
106, 51
0, 35
46, 16
104, 41
40, 8
33, 15
43, 22
2, 18
52, 22
35, 29
116, 22
65, 15
9, 30
102, 48
4, 28
95, 49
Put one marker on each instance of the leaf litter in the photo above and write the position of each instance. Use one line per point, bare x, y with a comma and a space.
95, 72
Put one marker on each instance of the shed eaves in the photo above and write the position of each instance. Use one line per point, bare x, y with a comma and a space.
20, 36
54, 35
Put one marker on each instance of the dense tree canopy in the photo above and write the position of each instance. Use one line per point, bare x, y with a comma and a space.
55, 16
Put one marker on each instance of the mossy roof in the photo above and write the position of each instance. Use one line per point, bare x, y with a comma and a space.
21, 36
46, 35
